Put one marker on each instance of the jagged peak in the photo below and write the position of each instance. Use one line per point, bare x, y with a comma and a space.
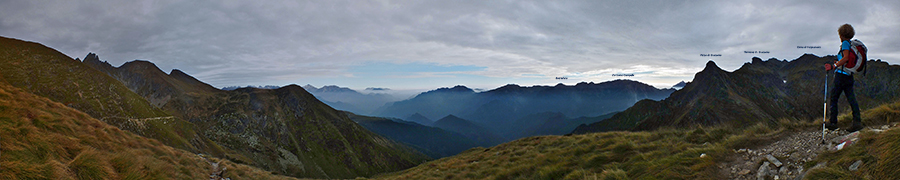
710, 71
808, 55
756, 60
92, 56
141, 64
178, 72
138, 62
711, 65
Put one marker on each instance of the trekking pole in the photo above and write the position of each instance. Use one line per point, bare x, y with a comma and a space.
825, 108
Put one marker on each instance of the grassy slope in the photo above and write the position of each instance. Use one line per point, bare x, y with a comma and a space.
758, 91
288, 131
660, 154
284, 130
46, 72
880, 152
42, 139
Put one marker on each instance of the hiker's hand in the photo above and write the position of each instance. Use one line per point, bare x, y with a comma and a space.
829, 67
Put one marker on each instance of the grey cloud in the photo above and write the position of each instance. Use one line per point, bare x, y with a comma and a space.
247, 42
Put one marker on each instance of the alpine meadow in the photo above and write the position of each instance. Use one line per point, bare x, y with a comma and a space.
423, 89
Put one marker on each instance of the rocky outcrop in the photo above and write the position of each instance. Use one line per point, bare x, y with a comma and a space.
759, 91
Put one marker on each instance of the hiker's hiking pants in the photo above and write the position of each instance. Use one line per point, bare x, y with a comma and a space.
843, 83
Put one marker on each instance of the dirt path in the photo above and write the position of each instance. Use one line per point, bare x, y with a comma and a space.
786, 157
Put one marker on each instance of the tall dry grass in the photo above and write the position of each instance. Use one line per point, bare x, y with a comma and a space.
42, 139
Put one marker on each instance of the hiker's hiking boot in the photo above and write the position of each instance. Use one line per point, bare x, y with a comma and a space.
856, 126
831, 126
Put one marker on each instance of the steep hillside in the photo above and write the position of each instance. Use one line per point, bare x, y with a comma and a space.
760, 91
418, 118
483, 136
285, 130
46, 72
434, 142
497, 109
553, 124
42, 139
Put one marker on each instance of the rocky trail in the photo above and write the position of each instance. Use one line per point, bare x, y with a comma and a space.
785, 157
215, 171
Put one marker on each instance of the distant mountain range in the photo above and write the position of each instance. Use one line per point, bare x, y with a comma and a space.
509, 110
759, 91
229, 88
285, 130
346, 99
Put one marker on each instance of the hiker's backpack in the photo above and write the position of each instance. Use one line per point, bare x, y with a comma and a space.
858, 60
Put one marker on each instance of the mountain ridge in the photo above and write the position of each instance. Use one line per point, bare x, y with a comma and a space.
46, 72
44, 139
286, 130
497, 109
347, 99
759, 91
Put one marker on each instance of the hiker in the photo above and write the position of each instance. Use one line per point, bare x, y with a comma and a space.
843, 79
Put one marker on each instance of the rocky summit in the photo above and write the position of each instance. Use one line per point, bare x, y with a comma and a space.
761, 91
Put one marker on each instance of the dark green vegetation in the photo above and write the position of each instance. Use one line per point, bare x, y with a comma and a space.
509, 110
46, 72
665, 153
434, 142
43, 139
285, 130
638, 155
758, 92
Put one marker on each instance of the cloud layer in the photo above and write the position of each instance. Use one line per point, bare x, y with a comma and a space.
478, 43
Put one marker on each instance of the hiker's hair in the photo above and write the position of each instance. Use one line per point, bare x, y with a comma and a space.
846, 31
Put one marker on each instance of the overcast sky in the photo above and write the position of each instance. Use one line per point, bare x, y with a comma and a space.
431, 44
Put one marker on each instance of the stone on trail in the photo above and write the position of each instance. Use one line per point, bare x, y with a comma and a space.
763, 170
773, 160
855, 165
